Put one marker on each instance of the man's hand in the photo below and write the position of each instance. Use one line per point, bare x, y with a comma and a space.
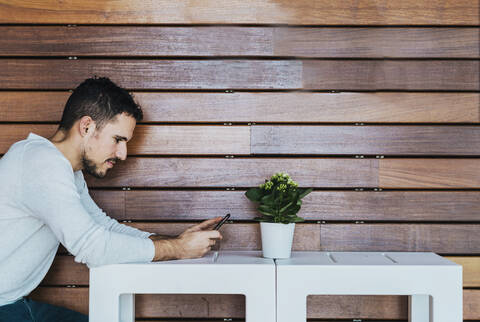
194, 242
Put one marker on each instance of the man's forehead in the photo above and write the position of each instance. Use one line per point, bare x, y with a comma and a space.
121, 125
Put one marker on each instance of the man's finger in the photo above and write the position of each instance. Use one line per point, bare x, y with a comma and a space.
207, 223
214, 234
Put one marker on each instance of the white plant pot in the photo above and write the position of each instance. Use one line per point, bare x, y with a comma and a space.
277, 239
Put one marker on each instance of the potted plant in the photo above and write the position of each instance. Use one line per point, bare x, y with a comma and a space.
279, 201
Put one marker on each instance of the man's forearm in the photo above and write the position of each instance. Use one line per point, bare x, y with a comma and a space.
166, 248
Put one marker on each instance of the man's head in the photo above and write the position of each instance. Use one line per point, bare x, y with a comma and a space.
102, 116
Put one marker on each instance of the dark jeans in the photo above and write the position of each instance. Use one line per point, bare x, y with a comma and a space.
26, 310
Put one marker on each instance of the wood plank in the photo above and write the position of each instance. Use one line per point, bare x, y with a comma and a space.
239, 41
167, 139
429, 173
368, 140
152, 74
11, 133
238, 172
458, 239
306, 238
301, 12
471, 269
233, 306
136, 41
262, 139
245, 74
65, 271
265, 107
377, 42
319, 205
438, 238
471, 306
391, 75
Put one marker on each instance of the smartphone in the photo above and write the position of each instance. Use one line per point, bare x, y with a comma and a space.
224, 219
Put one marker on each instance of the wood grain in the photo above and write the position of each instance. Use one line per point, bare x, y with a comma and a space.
471, 269
239, 41
233, 306
451, 239
429, 173
438, 238
418, 75
238, 172
302, 12
302, 107
368, 140
278, 140
308, 172
220, 140
319, 205
391, 75
152, 74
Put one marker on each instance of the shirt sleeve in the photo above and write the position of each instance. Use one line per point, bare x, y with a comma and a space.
102, 218
49, 192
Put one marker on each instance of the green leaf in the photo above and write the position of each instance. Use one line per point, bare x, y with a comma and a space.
254, 194
266, 209
285, 208
297, 219
304, 192
262, 219
265, 213
268, 200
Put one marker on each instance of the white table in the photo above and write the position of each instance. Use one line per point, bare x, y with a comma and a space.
113, 287
433, 283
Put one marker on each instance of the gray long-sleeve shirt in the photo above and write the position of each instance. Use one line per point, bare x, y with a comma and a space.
43, 202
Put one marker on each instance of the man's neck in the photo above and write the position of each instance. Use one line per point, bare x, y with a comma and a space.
68, 148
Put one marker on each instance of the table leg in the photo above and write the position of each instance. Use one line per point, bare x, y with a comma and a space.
419, 308
291, 307
127, 308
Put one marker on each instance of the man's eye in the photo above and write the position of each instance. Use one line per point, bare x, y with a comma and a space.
117, 140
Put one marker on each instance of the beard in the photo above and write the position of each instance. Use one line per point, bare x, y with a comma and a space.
91, 168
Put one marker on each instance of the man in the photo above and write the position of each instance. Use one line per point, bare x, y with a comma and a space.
44, 201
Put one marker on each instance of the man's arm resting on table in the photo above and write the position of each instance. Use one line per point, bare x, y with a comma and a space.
192, 243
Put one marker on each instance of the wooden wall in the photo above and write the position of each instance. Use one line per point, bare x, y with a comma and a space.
373, 103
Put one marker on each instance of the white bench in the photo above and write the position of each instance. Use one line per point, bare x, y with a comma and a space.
112, 287
433, 283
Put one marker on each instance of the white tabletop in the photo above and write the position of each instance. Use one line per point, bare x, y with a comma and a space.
364, 258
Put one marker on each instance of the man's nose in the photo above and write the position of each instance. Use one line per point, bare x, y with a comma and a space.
122, 152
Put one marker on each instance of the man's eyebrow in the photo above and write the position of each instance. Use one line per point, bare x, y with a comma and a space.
120, 138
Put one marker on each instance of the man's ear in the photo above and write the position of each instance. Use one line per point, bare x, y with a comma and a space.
86, 126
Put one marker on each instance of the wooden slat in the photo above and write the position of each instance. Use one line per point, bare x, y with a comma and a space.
471, 269
471, 306
301, 12
237, 236
429, 173
238, 172
308, 172
391, 75
377, 42
65, 271
265, 107
233, 306
152, 74
245, 74
319, 205
239, 41
11, 133
376, 140
321, 140
163, 140
438, 238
